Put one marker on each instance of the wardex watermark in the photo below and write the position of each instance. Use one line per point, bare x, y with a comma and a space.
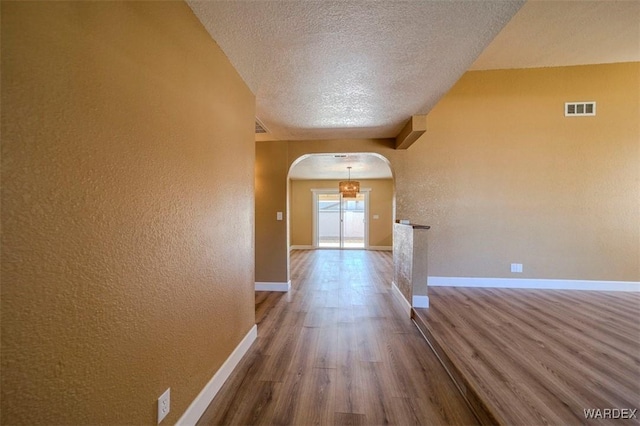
610, 413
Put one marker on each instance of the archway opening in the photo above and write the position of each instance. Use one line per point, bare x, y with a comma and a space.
319, 218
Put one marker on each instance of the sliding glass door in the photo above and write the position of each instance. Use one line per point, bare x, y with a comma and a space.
353, 221
329, 216
340, 222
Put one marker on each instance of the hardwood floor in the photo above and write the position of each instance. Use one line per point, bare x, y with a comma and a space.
337, 350
539, 356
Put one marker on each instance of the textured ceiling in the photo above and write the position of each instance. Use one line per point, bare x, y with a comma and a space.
354, 68
562, 33
349, 69
334, 166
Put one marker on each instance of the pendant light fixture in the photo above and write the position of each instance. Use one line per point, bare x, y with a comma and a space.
349, 188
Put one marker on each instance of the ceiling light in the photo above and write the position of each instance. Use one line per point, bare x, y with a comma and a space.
349, 188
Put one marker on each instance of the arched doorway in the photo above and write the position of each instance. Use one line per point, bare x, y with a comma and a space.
319, 218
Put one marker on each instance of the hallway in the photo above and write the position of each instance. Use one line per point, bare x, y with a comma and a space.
337, 350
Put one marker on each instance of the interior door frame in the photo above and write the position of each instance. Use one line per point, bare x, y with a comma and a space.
315, 223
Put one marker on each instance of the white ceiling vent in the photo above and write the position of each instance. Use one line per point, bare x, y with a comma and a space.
260, 127
574, 109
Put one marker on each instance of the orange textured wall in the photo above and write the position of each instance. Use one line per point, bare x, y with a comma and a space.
502, 177
127, 211
271, 198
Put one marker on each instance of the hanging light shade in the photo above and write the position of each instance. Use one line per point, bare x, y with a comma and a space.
349, 188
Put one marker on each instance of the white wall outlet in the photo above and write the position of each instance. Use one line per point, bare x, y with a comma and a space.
516, 267
279, 216
376, 216
164, 404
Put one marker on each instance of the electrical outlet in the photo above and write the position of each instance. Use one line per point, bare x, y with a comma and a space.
516, 267
164, 405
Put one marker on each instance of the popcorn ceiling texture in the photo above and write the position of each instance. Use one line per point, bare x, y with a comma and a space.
127, 141
336, 69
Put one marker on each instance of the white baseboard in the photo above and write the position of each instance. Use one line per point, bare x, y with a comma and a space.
374, 248
262, 286
380, 248
206, 395
420, 301
406, 306
633, 286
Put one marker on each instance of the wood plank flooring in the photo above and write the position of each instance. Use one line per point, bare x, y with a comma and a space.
539, 356
337, 349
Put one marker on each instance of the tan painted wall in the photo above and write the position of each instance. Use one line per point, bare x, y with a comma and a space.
127, 211
380, 203
502, 176
271, 198
505, 177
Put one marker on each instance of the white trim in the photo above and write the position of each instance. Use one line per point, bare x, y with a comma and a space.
633, 286
333, 190
367, 195
301, 247
420, 301
262, 286
206, 395
406, 306
314, 216
380, 248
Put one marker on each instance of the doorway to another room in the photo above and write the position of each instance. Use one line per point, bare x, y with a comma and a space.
340, 201
340, 222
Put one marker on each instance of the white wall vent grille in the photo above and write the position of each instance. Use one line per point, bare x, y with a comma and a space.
575, 109
260, 127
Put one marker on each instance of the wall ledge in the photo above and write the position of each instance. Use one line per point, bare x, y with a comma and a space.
547, 284
273, 286
206, 395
